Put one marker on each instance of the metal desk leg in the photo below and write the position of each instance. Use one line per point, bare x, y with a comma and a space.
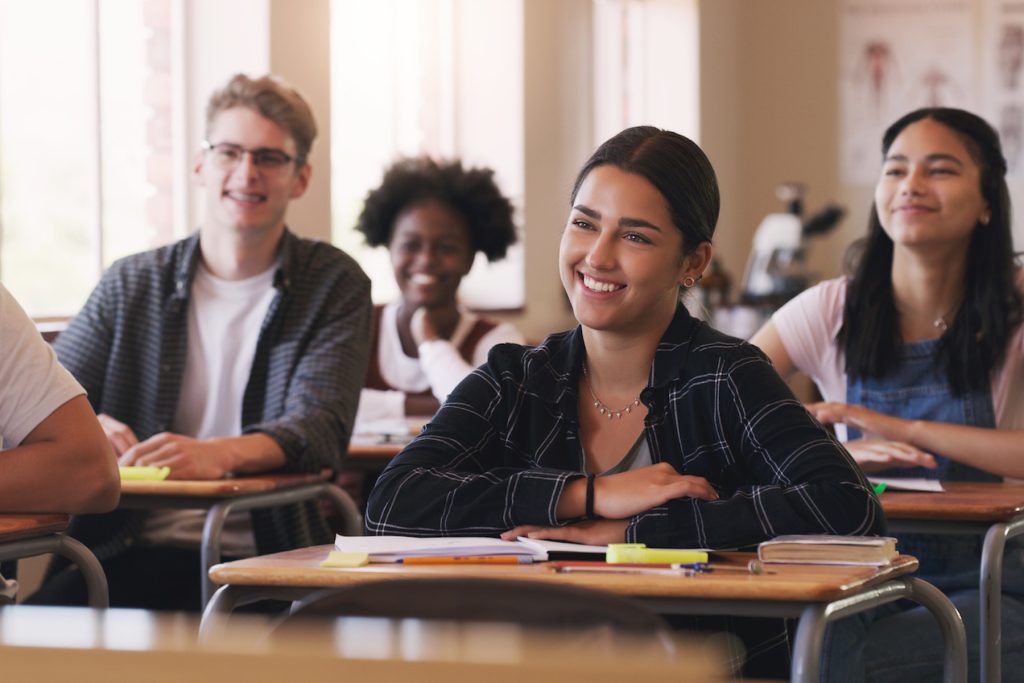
217, 610
92, 572
209, 550
347, 507
80, 556
954, 668
807, 646
810, 632
991, 594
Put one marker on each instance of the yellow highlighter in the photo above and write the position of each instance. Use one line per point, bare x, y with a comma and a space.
142, 473
639, 553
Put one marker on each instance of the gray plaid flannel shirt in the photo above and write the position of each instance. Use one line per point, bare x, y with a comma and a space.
127, 348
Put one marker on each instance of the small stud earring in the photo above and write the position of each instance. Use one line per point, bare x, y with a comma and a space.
688, 282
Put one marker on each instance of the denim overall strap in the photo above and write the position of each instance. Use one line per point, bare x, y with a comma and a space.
918, 389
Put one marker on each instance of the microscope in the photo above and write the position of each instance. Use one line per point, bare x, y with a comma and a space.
776, 270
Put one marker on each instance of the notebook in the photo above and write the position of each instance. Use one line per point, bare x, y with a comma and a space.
396, 548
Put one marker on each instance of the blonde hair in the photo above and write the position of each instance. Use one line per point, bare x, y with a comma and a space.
272, 98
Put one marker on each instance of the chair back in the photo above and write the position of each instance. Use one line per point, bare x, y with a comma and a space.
526, 603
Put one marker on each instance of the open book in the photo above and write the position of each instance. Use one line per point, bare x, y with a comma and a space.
823, 549
395, 548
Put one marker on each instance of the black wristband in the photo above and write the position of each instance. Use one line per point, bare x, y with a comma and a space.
589, 508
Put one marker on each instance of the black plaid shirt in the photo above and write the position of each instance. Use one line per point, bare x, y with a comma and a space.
505, 443
127, 348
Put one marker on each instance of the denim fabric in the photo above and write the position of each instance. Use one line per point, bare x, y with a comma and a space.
900, 642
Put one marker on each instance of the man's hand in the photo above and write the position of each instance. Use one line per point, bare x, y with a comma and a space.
876, 455
596, 532
120, 435
188, 458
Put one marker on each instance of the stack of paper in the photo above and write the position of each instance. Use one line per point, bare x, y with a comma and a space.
396, 548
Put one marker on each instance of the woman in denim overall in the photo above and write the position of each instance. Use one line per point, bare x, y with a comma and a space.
924, 334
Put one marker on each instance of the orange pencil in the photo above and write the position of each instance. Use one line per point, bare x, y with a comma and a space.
470, 559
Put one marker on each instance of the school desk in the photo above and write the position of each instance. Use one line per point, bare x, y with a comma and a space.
994, 510
29, 535
89, 646
814, 594
221, 497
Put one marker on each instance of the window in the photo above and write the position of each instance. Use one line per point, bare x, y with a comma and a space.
86, 143
436, 77
646, 66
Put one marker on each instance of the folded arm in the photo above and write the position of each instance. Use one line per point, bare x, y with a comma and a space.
64, 465
784, 473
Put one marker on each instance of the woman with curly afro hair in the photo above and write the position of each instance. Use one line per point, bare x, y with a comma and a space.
433, 216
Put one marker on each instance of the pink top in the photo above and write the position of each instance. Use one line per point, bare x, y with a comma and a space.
808, 326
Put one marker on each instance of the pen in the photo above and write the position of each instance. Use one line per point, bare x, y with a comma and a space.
619, 569
469, 559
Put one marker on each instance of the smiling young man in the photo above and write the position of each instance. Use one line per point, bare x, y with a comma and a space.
239, 349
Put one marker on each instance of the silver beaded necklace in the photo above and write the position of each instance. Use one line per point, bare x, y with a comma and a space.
600, 405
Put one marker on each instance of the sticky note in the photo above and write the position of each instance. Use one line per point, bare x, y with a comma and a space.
337, 558
142, 473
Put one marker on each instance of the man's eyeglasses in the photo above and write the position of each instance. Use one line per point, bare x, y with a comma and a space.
227, 156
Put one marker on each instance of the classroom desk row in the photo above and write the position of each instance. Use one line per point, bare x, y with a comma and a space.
994, 510
95, 646
813, 594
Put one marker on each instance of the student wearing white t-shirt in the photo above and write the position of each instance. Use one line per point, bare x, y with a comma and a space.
56, 457
239, 349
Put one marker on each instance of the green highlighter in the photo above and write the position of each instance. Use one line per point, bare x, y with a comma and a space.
880, 487
639, 553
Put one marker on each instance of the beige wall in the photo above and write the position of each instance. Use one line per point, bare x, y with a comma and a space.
768, 111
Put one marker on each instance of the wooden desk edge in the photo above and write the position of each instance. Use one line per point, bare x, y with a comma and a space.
15, 527
807, 583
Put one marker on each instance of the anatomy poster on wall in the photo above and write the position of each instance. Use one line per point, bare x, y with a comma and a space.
1003, 77
896, 56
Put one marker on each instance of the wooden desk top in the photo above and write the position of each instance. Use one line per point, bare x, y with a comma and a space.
224, 488
961, 501
815, 583
359, 450
15, 527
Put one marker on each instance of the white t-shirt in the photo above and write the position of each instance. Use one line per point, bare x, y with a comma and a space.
224, 320
439, 368
808, 326
32, 383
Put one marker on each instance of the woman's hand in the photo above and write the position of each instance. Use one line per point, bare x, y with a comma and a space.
876, 455
423, 327
871, 422
620, 496
595, 532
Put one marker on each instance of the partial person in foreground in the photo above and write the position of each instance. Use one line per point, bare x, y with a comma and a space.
919, 356
56, 457
237, 350
434, 217
642, 424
